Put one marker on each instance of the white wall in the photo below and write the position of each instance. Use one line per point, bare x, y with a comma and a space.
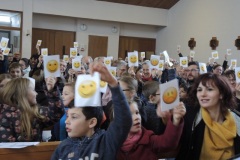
201, 20
99, 10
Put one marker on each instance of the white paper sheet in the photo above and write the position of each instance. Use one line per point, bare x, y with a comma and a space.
18, 144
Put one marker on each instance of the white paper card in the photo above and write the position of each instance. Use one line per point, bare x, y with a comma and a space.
154, 61
51, 66
6, 51
203, 68
44, 51
39, 42
215, 55
169, 93
237, 74
192, 53
76, 64
132, 58
87, 92
184, 62
113, 71
73, 52
4, 43
142, 54
103, 86
107, 61
229, 51
161, 65
233, 63
18, 144
167, 59
66, 58
178, 48
75, 44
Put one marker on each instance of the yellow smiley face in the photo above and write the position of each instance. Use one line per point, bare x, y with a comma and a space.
184, 62
142, 54
215, 55
133, 59
107, 61
154, 61
6, 51
73, 53
52, 66
202, 68
76, 64
103, 84
44, 52
65, 58
87, 89
113, 72
160, 65
233, 63
238, 74
4, 44
170, 95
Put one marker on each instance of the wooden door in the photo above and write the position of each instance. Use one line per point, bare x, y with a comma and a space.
57, 42
97, 46
129, 44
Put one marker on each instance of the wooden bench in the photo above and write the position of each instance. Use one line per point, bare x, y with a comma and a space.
42, 151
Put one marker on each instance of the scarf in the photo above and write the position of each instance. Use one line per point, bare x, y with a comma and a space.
218, 138
145, 79
131, 141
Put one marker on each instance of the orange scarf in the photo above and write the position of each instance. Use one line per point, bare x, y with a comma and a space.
218, 138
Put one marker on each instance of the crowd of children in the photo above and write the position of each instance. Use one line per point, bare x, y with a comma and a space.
130, 123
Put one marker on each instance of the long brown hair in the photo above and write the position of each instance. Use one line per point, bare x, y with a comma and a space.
15, 94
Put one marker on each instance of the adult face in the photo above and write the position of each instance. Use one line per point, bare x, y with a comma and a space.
218, 70
192, 72
208, 96
146, 70
63, 66
23, 65
121, 70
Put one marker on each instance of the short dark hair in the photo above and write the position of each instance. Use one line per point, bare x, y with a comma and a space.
228, 98
26, 61
150, 88
93, 112
193, 63
229, 73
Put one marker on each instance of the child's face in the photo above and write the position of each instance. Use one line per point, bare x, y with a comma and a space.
16, 72
76, 123
67, 95
136, 118
182, 93
156, 97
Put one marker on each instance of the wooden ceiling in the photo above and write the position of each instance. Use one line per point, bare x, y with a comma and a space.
164, 4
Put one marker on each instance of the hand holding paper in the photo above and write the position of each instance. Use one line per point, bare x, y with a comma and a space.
105, 74
178, 113
50, 82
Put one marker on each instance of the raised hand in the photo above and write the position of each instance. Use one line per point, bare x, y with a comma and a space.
50, 82
178, 113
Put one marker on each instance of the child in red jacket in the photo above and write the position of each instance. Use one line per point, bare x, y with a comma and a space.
143, 144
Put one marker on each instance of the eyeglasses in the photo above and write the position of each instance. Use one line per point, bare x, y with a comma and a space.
156, 94
192, 70
126, 89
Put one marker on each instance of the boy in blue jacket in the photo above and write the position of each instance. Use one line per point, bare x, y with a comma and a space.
86, 140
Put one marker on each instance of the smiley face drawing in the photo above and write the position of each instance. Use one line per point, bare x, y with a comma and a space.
73, 53
184, 62
4, 44
44, 52
133, 59
215, 55
107, 61
154, 61
52, 66
113, 72
87, 88
238, 74
170, 95
76, 64
6, 51
202, 68
103, 84
66, 59
160, 65
233, 63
